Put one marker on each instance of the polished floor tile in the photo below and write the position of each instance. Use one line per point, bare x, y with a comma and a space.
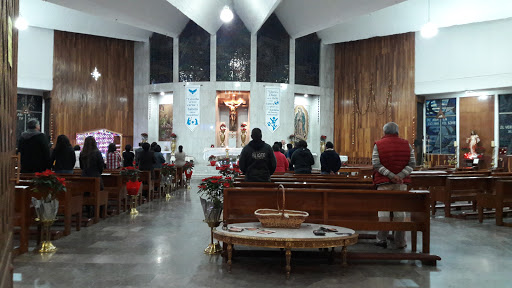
163, 247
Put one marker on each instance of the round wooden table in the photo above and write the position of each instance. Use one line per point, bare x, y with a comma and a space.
287, 239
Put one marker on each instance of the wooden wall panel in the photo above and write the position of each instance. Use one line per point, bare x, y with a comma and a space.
8, 88
78, 102
371, 65
477, 114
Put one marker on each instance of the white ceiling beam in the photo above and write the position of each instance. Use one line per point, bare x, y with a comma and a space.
255, 13
50, 16
204, 13
303, 17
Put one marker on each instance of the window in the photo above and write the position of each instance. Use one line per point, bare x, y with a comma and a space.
441, 125
273, 52
194, 51
161, 53
234, 52
505, 118
29, 107
307, 60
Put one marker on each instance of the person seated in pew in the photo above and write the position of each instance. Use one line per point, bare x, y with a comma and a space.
91, 160
63, 157
257, 160
281, 161
302, 159
330, 160
393, 161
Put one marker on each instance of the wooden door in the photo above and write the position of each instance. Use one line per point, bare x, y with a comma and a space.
8, 87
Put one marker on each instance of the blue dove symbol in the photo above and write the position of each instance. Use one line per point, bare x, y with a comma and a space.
192, 91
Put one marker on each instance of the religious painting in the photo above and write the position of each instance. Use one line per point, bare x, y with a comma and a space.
301, 122
164, 122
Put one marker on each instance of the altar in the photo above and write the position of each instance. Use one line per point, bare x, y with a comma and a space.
221, 152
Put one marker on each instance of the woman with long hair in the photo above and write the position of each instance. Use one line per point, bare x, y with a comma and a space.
128, 156
91, 161
63, 157
113, 157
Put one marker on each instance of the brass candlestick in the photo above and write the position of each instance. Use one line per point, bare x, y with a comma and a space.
213, 248
46, 243
133, 205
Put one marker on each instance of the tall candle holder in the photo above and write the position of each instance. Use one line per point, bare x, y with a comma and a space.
493, 155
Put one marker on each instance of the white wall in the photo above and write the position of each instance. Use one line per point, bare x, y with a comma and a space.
35, 59
468, 57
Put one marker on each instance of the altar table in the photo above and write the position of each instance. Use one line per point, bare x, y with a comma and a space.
287, 239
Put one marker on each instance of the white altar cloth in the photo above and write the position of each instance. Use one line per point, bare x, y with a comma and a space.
220, 152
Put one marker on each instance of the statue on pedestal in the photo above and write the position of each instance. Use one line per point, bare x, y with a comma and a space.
473, 140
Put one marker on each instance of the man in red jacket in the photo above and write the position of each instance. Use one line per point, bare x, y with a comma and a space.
393, 161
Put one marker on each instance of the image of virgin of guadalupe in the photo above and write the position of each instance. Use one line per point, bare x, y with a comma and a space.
301, 122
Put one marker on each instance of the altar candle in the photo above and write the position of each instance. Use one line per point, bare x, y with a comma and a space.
492, 144
455, 143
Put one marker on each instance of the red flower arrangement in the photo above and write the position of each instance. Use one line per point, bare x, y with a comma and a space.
48, 185
212, 189
243, 127
167, 169
132, 173
174, 136
323, 137
222, 127
227, 171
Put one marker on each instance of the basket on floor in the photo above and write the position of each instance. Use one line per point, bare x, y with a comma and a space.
281, 218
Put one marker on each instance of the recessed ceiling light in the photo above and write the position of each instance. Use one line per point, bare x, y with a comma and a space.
226, 15
162, 93
306, 95
429, 30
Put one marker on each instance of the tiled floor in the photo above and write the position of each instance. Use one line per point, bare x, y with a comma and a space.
163, 247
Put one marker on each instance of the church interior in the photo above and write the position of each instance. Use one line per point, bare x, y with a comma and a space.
193, 78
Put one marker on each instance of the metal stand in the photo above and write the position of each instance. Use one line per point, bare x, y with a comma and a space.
213, 248
46, 243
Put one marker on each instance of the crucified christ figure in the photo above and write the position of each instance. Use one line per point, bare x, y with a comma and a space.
232, 112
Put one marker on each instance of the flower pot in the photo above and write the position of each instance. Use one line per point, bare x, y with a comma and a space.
188, 174
212, 163
211, 210
132, 188
46, 210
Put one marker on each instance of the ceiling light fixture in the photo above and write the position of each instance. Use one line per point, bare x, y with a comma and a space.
306, 95
226, 15
430, 29
21, 23
162, 93
95, 74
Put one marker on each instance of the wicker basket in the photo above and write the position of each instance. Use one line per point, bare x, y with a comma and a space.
281, 218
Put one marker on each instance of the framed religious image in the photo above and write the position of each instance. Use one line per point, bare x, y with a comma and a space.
301, 122
165, 122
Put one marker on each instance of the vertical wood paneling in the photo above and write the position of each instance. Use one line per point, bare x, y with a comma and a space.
79, 103
373, 61
477, 114
8, 87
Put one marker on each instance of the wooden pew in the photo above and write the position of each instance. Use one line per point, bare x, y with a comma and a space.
90, 188
355, 209
362, 186
147, 185
157, 183
498, 200
22, 216
322, 180
114, 186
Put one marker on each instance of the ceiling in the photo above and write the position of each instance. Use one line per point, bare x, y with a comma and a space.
334, 20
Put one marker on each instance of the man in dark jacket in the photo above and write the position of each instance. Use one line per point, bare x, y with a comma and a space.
330, 160
302, 159
257, 160
34, 149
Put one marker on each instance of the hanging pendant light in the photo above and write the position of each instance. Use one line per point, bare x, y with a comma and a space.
226, 15
430, 29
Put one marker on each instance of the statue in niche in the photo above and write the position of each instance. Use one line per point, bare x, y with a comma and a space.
233, 105
473, 140
301, 122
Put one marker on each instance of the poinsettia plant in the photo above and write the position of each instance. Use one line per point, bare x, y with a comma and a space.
132, 173
323, 137
212, 158
243, 127
188, 165
48, 185
168, 169
222, 127
174, 136
227, 171
212, 189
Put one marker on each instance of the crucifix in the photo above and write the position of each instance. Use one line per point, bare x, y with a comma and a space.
233, 105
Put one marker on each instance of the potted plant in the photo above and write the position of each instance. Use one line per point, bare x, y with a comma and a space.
48, 185
188, 167
132, 175
212, 160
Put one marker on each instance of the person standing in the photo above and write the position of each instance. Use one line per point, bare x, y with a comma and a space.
393, 161
281, 161
34, 149
257, 160
113, 157
146, 158
302, 159
91, 160
330, 160
159, 157
180, 157
128, 156
63, 157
